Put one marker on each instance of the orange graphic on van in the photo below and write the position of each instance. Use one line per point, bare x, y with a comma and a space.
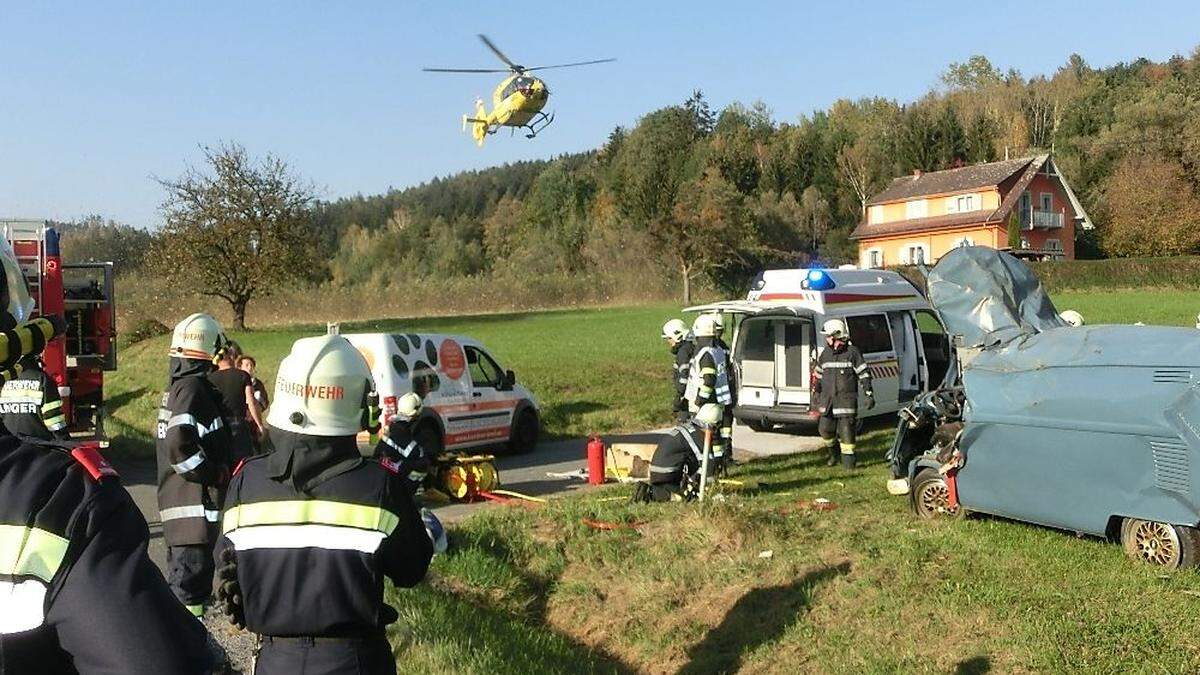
453, 362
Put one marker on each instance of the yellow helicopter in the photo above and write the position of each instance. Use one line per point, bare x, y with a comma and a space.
517, 101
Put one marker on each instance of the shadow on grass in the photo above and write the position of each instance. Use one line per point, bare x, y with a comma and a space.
977, 665
757, 618
461, 615
115, 403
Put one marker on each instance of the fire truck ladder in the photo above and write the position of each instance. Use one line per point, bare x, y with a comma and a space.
29, 245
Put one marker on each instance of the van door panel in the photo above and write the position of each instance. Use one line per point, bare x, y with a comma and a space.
793, 359
873, 337
487, 416
904, 335
756, 343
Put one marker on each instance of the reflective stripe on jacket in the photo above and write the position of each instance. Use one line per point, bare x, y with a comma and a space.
839, 376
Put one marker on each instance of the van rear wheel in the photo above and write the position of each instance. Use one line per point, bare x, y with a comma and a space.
1163, 544
931, 496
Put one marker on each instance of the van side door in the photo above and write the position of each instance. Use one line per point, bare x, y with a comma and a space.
872, 334
488, 417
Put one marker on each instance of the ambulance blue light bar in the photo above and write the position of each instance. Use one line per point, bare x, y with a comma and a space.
818, 280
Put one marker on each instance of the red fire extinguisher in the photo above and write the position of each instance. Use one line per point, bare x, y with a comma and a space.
595, 457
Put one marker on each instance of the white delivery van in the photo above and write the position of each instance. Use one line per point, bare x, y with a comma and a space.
470, 401
778, 337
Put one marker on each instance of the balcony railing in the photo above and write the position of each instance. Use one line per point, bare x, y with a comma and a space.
1041, 220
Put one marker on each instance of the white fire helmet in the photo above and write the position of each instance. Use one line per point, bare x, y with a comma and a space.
1072, 317
835, 328
719, 324
321, 389
674, 330
197, 337
408, 406
709, 414
707, 325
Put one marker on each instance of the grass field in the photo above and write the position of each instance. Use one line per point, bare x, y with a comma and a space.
862, 588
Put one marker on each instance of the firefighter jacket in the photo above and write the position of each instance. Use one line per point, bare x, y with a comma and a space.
708, 375
30, 406
399, 452
193, 450
78, 592
315, 528
678, 454
683, 351
839, 376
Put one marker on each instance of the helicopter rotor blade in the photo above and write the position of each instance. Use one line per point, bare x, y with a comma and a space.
499, 54
465, 70
569, 65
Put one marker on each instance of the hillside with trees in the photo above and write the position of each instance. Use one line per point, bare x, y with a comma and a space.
695, 197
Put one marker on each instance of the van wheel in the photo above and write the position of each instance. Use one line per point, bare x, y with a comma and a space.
1163, 544
931, 496
524, 433
429, 438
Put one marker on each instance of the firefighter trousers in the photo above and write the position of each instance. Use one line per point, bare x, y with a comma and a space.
325, 656
839, 431
190, 574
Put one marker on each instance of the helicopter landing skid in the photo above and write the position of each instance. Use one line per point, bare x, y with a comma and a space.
543, 120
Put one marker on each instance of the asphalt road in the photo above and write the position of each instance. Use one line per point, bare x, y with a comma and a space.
522, 473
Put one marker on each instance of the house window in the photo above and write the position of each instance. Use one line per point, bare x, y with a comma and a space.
875, 214
1025, 208
1054, 245
873, 257
962, 204
917, 208
915, 254
1047, 201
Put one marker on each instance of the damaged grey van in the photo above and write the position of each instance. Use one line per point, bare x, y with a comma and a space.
1091, 429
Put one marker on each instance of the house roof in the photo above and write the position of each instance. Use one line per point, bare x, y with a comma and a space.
966, 178
950, 180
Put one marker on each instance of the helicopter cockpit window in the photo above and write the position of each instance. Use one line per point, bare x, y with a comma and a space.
509, 90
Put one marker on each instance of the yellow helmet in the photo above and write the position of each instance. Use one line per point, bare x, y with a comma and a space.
321, 389
197, 337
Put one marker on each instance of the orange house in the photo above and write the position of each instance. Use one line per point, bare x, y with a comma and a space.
919, 218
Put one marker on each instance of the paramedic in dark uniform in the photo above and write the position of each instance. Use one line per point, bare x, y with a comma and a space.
193, 448
840, 373
311, 530
679, 339
675, 464
30, 406
78, 593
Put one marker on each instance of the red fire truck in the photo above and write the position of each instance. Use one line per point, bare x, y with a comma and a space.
83, 294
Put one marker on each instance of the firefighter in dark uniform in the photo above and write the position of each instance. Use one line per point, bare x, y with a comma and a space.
726, 429
193, 448
675, 464
683, 346
398, 448
311, 529
79, 593
708, 381
840, 373
30, 406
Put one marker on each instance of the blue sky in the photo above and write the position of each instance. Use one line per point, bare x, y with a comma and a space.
97, 98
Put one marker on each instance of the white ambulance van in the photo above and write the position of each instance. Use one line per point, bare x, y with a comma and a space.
778, 337
470, 401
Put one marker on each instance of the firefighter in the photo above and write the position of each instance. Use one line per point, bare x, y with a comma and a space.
193, 448
311, 529
840, 374
79, 592
30, 406
399, 450
682, 345
708, 380
726, 429
675, 464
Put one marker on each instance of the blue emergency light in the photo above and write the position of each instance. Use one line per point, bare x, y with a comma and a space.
818, 280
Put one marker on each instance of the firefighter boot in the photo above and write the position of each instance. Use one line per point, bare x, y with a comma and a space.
849, 459
832, 450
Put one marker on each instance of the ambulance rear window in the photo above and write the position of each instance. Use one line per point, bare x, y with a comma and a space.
870, 333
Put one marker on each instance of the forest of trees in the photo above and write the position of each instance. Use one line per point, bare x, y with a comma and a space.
691, 194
